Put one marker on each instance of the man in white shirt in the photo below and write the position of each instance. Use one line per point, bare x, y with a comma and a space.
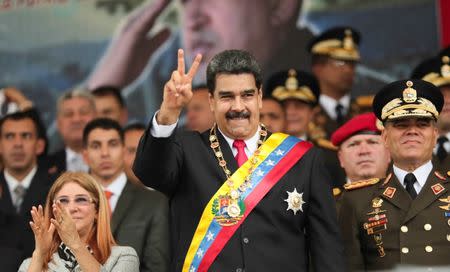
23, 184
403, 220
139, 216
74, 110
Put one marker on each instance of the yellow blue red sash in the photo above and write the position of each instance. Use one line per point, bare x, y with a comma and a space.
275, 157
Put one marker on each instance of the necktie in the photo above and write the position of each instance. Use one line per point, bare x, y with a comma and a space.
108, 195
241, 157
441, 152
410, 179
339, 113
19, 192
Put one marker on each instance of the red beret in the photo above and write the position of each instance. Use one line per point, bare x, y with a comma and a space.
360, 124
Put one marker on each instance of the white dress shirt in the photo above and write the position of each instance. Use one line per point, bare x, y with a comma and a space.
75, 161
329, 105
420, 173
13, 182
116, 188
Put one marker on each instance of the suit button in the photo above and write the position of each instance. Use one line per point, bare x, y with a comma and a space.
405, 250
448, 237
404, 229
238, 269
428, 249
427, 227
246, 240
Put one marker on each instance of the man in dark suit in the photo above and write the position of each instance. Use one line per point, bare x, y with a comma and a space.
139, 216
74, 110
403, 220
437, 71
293, 219
23, 184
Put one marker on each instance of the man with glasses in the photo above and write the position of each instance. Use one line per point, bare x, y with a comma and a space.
335, 54
23, 184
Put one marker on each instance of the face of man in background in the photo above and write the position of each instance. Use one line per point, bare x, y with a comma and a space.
104, 154
410, 141
19, 145
199, 116
443, 122
211, 26
335, 76
364, 156
108, 107
298, 116
131, 140
272, 115
73, 115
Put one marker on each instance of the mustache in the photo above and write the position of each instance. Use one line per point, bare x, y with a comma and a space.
237, 114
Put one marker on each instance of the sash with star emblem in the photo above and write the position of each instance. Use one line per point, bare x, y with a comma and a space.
265, 168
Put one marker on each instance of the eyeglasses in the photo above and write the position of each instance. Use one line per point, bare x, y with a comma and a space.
80, 200
342, 63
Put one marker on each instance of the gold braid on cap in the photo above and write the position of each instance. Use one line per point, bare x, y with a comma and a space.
440, 79
345, 49
410, 105
292, 90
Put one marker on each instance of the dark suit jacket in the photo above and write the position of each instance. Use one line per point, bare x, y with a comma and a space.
16, 236
272, 238
412, 226
56, 162
443, 165
141, 220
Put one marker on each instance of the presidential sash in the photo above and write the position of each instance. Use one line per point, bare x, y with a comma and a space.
227, 210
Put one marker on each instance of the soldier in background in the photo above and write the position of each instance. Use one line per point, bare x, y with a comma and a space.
437, 71
272, 114
335, 54
401, 221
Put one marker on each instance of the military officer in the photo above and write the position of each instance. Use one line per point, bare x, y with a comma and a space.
404, 219
361, 151
437, 71
335, 54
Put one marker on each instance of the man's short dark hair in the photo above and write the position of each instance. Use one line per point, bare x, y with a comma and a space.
233, 62
115, 92
102, 123
134, 126
21, 115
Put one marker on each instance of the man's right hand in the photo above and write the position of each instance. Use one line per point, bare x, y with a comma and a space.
177, 91
131, 49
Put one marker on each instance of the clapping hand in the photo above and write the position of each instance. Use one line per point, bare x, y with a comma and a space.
43, 231
178, 90
65, 226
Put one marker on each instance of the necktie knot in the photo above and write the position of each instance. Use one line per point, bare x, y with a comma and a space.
108, 194
339, 113
19, 192
442, 140
241, 157
410, 179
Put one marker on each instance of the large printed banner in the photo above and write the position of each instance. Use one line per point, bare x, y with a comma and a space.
50, 46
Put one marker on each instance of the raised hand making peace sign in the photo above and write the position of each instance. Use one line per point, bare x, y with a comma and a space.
177, 91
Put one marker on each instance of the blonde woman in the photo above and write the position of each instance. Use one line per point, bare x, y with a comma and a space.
73, 234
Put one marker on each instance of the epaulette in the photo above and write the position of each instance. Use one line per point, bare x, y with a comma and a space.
361, 184
326, 144
337, 191
364, 101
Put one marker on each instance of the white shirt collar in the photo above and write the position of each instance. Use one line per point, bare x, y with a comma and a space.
71, 157
329, 104
251, 144
13, 182
116, 188
421, 173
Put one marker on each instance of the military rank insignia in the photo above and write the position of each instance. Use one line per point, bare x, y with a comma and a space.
446, 208
376, 224
389, 192
437, 188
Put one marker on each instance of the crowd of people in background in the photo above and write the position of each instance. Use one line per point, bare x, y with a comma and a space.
368, 190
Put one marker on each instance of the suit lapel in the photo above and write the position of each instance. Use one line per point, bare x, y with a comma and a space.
124, 202
400, 198
6, 205
426, 196
36, 193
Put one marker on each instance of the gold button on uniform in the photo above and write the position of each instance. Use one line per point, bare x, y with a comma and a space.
404, 229
427, 227
428, 248
448, 237
405, 250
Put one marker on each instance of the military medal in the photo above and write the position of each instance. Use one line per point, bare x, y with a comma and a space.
295, 201
376, 224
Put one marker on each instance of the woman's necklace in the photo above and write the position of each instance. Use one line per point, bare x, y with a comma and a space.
229, 208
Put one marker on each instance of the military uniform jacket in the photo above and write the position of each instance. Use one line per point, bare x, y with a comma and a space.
272, 238
417, 232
